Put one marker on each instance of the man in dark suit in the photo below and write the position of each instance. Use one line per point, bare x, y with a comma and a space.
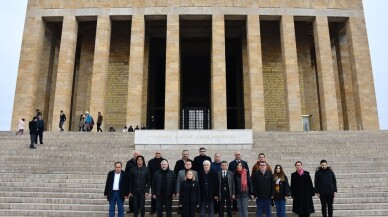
164, 189
153, 166
131, 164
40, 124
33, 127
237, 159
180, 164
208, 183
226, 183
198, 160
233, 167
116, 190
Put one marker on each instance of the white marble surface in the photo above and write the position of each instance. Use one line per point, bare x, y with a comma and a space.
193, 137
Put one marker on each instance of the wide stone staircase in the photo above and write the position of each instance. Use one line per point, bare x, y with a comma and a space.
66, 175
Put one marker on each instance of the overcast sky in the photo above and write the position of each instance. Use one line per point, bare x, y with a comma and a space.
12, 14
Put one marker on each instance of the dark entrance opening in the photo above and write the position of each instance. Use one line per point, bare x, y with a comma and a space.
234, 35
195, 38
156, 36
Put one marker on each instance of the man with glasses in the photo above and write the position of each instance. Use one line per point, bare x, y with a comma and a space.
198, 161
153, 166
264, 189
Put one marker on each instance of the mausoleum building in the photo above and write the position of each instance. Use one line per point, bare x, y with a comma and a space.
198, 64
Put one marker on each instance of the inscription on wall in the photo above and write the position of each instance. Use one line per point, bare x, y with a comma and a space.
116, 95
274, 96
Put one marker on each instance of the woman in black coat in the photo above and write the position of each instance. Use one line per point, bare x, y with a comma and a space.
302, 191
189, 195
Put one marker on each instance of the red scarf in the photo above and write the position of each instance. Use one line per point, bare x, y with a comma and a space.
244, 179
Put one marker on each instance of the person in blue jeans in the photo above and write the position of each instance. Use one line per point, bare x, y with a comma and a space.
115, 190
282, 191
264, 189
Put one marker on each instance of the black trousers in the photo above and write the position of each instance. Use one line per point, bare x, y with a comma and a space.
327, 204
225, 200
153, 205
138, 203
164, 202
130, 205
32, 138
188, 209
40, 135
99, 127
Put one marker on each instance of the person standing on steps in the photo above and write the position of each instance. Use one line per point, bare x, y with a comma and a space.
153, 166
33, 127
40, 124
62, 120
302, 191
99, 122
116, 190
164, 189
139, 186
325, 188
131, 164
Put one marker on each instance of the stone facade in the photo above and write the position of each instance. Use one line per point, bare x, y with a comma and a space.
306, 57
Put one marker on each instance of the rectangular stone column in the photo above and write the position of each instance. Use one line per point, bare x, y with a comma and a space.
327, 91
136, 71
64, 83
29, 65
362, 76
290, 60
100, 67
255, 68
172, 94
218, 74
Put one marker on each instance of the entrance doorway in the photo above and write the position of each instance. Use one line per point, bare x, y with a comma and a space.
195, 38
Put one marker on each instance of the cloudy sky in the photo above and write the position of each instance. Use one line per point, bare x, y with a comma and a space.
12, 14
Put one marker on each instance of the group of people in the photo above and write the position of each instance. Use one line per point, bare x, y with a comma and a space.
86, 122
218, 186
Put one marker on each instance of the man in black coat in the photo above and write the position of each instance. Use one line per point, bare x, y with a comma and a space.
325, 188
40, 124
237, 158
180, 164
198, 160
264, 188
209, 187
131, 164
153, 166
33, 127
164, 189
139, 185
116, 190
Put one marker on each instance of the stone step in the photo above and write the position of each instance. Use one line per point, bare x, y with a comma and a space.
102, 201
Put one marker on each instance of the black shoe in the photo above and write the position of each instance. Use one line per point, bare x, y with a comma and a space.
32, 147
151, 213
128, 212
